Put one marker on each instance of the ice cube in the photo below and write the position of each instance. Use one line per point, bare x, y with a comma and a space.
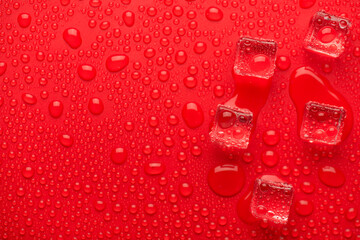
255, 57
232, 127
322, 123
327, 34
271, 201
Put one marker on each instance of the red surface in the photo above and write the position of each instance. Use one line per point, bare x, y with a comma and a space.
119, 149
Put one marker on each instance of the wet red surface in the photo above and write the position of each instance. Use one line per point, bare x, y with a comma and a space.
106, 108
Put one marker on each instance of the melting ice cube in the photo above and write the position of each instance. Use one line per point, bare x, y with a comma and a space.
271, 200
327, 34
255, 58
232, 127
322, 123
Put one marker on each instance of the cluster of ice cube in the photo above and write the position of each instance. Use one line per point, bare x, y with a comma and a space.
256, 58
322, 123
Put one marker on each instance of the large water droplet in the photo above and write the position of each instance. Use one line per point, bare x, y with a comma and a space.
119, 155
331, 176
86, 72
96, 106
28, 172
72, 37
66, 140
29, 98
56, 108
24, 20
193, 115
116, 63
304, 207
128, 18
226, 180
214, 14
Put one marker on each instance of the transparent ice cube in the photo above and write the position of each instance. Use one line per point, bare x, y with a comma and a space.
327, 34
255, 57
271, 201
232, 127
322, 123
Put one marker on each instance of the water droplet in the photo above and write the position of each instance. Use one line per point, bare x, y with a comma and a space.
154, 167
150, 209
116, 63
24, 20
180, 57
56, 108
219, 91
200, 47
119, 155
95, 3
66, 140
163, 75
226, 180
178, 11
269, 158
3, 67
283, 62
226, 119
193, 115
28, 172
259, 63
214, 14
307, 187
351, 213
304, 207
72, 37
96, 106
307, 3
331, 176
327, 34
185, 189
128, 18
86, 72
271, 137
99, 205
190, 82
29, 98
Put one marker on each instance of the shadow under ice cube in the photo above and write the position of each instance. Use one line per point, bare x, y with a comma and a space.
255, 58
327, 34
271, 201
232, 127
322, 123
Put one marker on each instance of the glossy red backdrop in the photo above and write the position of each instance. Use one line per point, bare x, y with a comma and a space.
106, 108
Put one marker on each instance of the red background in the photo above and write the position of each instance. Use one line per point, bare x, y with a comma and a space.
61, 199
